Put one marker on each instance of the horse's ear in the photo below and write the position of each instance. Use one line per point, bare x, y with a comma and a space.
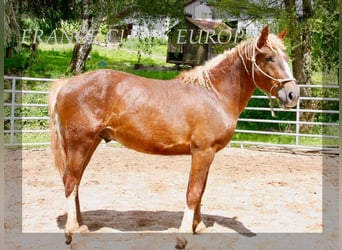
263, 37
282, 34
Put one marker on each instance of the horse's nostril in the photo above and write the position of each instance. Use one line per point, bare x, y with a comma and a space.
291, 96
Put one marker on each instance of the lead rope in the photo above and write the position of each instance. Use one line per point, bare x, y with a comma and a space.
271, 102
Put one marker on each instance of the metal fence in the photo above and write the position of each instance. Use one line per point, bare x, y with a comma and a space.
26, 118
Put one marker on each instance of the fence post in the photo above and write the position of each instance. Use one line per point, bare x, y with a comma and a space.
297, 119
12, 111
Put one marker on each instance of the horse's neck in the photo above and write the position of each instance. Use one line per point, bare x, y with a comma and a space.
234, 84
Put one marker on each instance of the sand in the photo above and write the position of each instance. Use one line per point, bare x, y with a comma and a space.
258, 197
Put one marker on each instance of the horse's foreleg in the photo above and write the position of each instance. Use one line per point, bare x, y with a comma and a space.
198, 224
201, 160
78, 209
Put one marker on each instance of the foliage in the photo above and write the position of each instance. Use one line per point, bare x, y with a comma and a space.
11, 26
249, 9
319, 16
49, 13
325, 28
116, 11
43, 14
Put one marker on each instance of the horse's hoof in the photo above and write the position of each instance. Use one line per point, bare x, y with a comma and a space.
68, 238
81, 229
181, 243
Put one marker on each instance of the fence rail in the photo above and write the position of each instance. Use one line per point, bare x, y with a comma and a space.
30, 128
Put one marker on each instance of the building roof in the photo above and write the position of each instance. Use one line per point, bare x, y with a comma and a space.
207, 25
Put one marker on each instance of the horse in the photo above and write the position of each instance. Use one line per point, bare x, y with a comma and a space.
193, 114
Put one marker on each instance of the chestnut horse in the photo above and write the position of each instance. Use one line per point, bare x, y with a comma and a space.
196, 114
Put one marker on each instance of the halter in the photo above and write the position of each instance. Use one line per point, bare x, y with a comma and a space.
278, 81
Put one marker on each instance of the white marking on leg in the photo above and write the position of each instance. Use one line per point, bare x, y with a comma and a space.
187, 222
71, 224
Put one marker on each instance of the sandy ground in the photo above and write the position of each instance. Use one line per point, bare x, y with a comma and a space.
255, 199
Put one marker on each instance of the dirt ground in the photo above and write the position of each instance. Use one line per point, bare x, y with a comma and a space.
255, 199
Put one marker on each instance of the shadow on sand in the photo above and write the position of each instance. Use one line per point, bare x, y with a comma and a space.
137, 220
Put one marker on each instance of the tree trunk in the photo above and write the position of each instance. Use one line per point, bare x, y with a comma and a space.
8, 52
79, 56
91, 21
303, 72
300, 38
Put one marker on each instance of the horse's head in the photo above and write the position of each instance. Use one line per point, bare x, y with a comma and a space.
270, 69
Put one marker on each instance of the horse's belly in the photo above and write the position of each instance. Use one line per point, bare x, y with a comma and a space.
152, 141
153, 145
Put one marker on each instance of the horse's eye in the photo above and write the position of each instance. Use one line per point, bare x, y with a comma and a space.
269, 59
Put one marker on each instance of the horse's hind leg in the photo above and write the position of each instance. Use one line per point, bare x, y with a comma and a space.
77, 160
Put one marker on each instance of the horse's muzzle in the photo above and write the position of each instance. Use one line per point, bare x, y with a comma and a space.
288, 95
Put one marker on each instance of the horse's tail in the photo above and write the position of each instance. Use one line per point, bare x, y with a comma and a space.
57, 139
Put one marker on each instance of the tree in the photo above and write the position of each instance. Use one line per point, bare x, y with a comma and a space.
325, 31
301, 43
92, 17
39, 14
11, 27
312, 42
96, 12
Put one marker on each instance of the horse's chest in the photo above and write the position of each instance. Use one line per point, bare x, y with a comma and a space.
224, 128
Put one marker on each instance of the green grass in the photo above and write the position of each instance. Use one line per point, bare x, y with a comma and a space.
164, 75
52, 61
22, 138
291, 139
264, 138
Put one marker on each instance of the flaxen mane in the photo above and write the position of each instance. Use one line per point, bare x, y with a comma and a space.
201, 75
